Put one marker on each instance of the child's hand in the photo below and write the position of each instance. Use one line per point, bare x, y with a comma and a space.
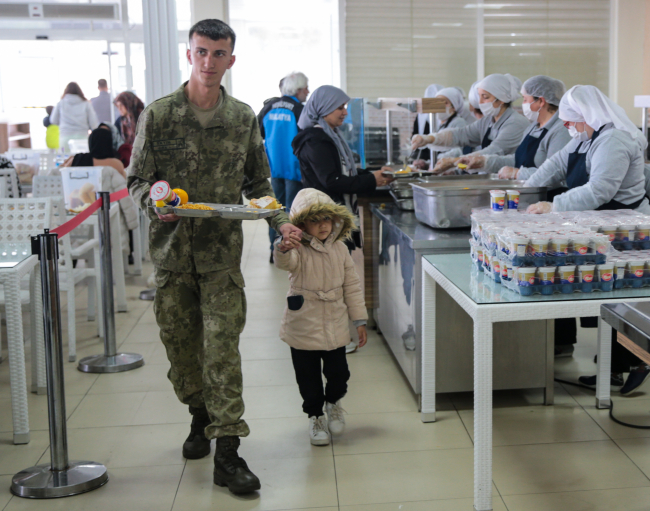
363, 335
282, 247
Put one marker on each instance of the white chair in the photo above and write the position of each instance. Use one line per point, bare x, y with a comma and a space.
10, 179
47, 161
19, 220
68, 275
78, 146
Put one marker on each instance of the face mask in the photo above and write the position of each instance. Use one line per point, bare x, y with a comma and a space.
530, 115
489, 110
445, 116
581, 136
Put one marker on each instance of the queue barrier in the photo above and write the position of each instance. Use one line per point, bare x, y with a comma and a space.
63, 477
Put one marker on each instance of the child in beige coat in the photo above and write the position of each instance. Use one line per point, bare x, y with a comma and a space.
325, 294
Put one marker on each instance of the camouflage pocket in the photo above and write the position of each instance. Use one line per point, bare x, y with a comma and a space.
161, 277
238, 279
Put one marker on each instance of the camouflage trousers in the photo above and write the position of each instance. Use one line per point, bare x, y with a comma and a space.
200, 317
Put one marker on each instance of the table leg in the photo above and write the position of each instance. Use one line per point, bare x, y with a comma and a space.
39, 382
428, 347
549, 390
482, 413
604, 368
17, 376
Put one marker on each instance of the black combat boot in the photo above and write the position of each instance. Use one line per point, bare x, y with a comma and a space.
230, 470
197, 446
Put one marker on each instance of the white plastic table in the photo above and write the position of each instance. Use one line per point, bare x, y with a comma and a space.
13, 267
487, 303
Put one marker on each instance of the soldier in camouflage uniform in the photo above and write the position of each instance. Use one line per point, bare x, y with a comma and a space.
204, 141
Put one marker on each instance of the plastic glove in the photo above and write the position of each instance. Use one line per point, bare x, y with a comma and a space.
420, 164
421, 140
540, 208
476, 161
508, 173
444, 164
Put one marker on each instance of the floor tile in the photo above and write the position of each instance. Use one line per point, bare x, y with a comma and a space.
124, 490
129, 446
261, 373
373, 367
161, 407
539, 425
37, 410
404, 476
14, 458
286, 484
379, 396
143, 333
630, 410
103, 410
564, 467
401, 431
265, 348
429, 505
272, 402
625, 499
142, 379
5, 494
638, 449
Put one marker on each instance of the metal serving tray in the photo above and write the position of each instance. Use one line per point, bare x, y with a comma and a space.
445, 205
229, 211
434, 178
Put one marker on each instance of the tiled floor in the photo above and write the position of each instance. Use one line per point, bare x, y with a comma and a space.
569, 457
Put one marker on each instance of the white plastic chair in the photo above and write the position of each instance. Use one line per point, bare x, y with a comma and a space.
19, 220
68, 275
78, 146
10, 178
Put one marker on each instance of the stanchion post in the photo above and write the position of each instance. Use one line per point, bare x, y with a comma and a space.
62, 477
111, 361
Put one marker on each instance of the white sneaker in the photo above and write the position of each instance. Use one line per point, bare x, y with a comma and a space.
318, 432
352, 347
335, 417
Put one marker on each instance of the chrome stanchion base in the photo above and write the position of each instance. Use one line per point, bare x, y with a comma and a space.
115, 364
41, 482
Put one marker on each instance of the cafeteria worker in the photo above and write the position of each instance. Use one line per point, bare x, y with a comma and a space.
603, 167
545, 136
498, 132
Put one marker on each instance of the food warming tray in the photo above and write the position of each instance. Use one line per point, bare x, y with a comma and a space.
448, 204
229, 211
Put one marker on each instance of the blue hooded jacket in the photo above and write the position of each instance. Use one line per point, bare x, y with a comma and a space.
278, 122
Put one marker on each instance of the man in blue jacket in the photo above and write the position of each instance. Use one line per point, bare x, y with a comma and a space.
278, 122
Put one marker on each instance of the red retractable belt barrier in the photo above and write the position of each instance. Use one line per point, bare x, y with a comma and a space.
71, 225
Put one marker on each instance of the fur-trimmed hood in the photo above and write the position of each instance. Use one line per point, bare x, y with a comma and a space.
312, 204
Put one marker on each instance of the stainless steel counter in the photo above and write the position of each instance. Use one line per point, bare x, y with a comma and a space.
399, 242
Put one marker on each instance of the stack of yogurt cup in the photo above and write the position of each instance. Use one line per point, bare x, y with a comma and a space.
502, 200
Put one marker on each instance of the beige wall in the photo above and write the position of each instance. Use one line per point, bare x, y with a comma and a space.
631, 61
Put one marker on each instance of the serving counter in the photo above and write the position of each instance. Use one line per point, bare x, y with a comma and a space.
399, 242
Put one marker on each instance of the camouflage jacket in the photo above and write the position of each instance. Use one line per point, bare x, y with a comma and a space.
214, 164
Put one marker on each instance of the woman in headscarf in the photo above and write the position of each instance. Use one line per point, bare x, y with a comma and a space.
326, 160
603, 165
130, 107
421, 124
545, 136
452, 118
498, 132
102, 153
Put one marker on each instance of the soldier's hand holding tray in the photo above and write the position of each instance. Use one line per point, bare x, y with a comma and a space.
171, 217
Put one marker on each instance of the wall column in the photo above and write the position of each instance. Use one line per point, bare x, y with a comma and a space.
162, 74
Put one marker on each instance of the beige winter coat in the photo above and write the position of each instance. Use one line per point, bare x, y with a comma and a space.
324, 274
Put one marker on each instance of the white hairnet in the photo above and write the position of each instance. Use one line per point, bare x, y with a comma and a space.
542, 86
473, 98
586, 103
432, 90
503, 87
454, 96
462, 91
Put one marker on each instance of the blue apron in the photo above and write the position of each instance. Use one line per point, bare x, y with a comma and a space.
576, 175
525, 154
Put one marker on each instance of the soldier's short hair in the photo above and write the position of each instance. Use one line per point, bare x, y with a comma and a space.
215, 30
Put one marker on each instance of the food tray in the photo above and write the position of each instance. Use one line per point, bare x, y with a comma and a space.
229, 211
395, 175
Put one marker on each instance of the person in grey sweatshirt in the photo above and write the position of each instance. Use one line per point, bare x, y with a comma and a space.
74, 115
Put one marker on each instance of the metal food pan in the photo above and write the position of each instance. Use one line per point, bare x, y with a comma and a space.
403, 204
228, 211
446, 205
434, 178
